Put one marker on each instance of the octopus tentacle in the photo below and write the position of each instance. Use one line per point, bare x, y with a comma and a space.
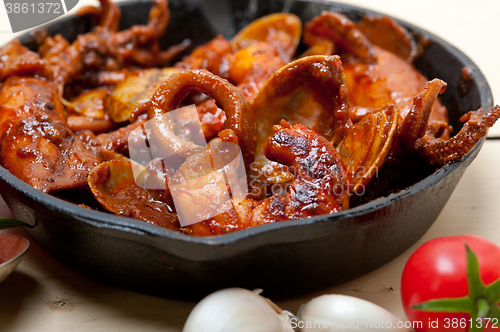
17, 60
319, 187
248, 69
36, 144
311, 91
239, 114
159, 16
415, 122
320, 175
342, 32
320, 184
438, 151
418, 133
118, 140
105, 49
108, 15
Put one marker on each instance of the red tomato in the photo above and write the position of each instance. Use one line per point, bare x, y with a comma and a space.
437, 270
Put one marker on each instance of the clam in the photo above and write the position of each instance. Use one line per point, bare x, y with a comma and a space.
128, 97
116, 188
385, 32
310, 91
367, 145
281, 30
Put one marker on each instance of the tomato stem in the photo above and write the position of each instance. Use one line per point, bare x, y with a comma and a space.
476, 286
495, 311
483, 307
492, 292
461, 304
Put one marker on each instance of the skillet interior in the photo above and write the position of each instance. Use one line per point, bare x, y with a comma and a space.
279, 257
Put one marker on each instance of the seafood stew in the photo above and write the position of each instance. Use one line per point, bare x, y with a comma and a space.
141, 256
312, 130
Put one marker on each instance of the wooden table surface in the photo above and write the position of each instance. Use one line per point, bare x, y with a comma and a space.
44, 295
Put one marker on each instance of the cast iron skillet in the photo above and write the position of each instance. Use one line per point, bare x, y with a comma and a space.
284, 258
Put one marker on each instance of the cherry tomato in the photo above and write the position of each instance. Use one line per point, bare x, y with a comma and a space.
438, 270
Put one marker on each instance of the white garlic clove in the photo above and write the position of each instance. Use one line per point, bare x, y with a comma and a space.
341, 313
236, 309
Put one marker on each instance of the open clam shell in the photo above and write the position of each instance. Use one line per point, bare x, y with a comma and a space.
367, 145
282, 30
135, 91
311, 91
114, 186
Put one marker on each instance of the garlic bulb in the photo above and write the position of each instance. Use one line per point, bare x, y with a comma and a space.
236, 309
341, 313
